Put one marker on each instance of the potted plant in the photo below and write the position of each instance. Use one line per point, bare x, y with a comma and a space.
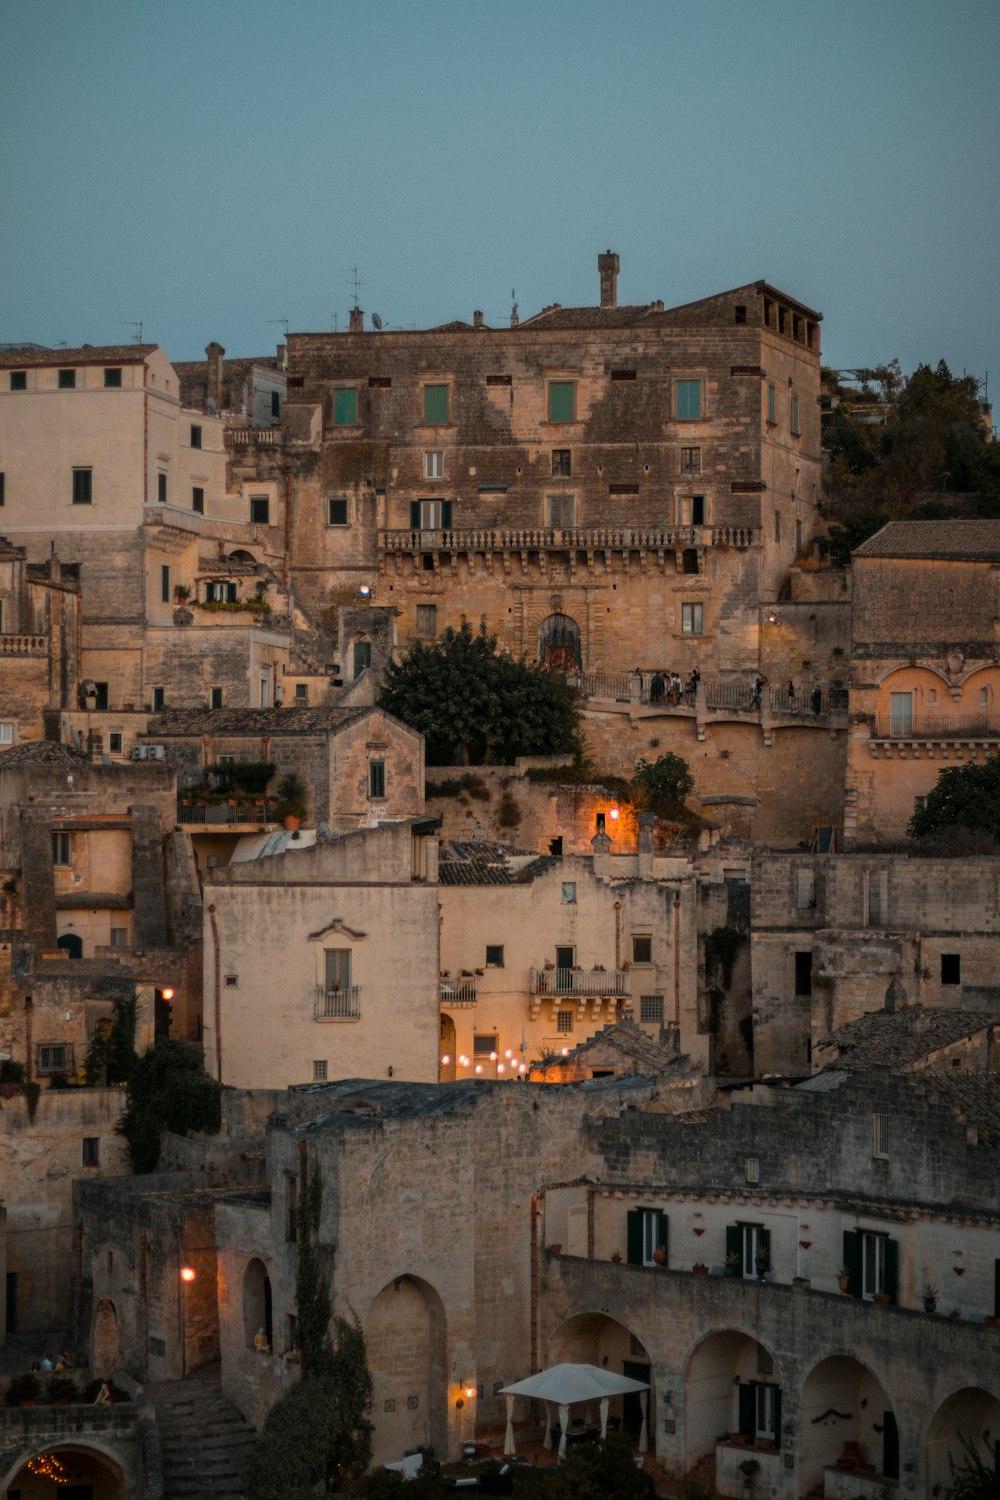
882, 1298
23, 1390
181, 593
699, 1268
291, 807
844, 1278
659, 1256
748, 1468
929, 1292
763, 1265
616, 1257
62, 1390
733, 1259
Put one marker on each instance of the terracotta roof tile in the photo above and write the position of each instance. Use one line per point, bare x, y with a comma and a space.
896, 1038
958, 540
41, 753
87, 354
489, 862
257, 721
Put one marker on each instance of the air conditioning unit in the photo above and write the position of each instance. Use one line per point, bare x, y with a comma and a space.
156, 752
138, 752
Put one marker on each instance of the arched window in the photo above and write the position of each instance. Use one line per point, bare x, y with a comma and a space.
559, 644
257, 1315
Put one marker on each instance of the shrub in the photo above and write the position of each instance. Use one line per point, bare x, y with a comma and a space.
508, 813
169, 1090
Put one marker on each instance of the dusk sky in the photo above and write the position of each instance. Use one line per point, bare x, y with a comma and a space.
213, 167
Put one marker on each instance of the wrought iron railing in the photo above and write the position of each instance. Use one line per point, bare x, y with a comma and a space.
615, 685
337, 1005
458, 989
225, 812
579, 982
937, 726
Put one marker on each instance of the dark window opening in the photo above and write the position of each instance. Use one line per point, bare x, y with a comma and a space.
216, 697
697, 510
740, 313
260, 510
494, 955
803, 973
195, 437
562, 463
337, 513
198, 500
498, 380
164, 583
951, 968
379, 382
113, 380
161, 488
642, 950
19, 380
158, 699
689, 560
83, 486
67, 380
622, 374
275, 404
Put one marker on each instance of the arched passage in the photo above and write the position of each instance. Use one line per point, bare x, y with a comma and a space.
105, 1344
597, 1339
732, 1384
257, 1313
845, 1417
406, 1332
79, 1473
559, 644
446, 1069
71, 944
968, 1417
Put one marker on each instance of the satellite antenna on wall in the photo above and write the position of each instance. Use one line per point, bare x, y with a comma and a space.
211, 407
135, 323
376, 323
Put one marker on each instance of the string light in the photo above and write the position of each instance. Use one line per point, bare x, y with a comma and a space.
445, 1060
47, 1466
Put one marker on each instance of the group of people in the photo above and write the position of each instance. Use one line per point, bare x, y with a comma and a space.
53, 1362
667, 687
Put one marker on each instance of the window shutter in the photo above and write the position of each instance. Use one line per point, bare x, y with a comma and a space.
662, 1227
634, 1237
748, 1411
763, 1250
415, 514
734, 1242
892, 1269
852, 1260
777, 1416
446, 513
996, 1288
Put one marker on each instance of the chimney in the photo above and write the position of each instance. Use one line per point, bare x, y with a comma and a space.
646, 821
477, 319
601, 846
214, 355
607, 265
357, 322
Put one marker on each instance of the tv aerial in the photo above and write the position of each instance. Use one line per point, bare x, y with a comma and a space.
136, 324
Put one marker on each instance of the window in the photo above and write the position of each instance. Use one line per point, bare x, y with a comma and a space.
562, 463
19, 380
55, 1057
562, 400
275, 403
7, 732
564, 1020
219, 591
651, 1009
164, 583
740, 312
559, 511
803, 973
900, 715
777, 525
795, 415
376, 779
689, 560
805, 890
872, 1261
291, 1207
62, 849
568, 892
198, 500
951, 968
771, 403
687, 400
338, 970
113, 380
116, 742
67, 380
119, 937
216, 697
880, 1137
646, 1233
195, 437
430, 515
232, 981
494, 955
435, 405
260, 510
483, 1043
158, 699
427, 620
2, 488
690, 460
302, 693
748, 1247
751, 1166
434, 464
83, 486
565, 957
691, 619
345, 407
91, 1154
319, 1070
622, 374
161, 488
336, 513
362, 657
642, 950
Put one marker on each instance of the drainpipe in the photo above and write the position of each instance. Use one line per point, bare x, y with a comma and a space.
618, 935
29, 1010
217, 974
288, 525
536, 1209
677, 965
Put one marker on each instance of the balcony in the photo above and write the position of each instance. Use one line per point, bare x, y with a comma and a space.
582, 984
225, 814
457, 989
937, 727
588, 539
337, 1005
24, 645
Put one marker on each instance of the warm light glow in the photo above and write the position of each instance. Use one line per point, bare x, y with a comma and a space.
365, 590
479, 1067
508, 1053
613, 815
188, 1273
445, 1060
468, 1391
499, 1067
565, 1052
523, 1068
167, 994
464, 1060
493, 1056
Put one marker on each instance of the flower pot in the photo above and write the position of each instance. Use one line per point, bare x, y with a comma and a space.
843, 1282
930, 1304
290, 821
700, 1270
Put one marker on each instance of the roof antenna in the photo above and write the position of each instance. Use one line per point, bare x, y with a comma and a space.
353, 279
514, 318
135, 323
284, 324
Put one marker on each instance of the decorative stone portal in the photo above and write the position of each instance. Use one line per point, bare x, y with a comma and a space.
559, 644
406, 1332
731, 1385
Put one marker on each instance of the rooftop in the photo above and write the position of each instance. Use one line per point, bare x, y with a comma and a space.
895, 1038
87, 354
976, 541
181, 722
489, 862
41, 753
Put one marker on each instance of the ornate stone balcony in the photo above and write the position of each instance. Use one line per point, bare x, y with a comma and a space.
24, 645
488, 540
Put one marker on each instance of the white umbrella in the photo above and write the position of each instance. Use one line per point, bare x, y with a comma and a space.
566, 1385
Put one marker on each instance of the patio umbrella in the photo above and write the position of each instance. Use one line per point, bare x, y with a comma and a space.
565, 1386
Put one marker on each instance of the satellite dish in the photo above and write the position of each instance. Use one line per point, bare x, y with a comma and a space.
376, 322
211, 406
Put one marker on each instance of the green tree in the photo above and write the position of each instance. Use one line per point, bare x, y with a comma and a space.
600, 1471
477, 704
169, 1090
663, 784
972, 1477
962, 812
111, 1055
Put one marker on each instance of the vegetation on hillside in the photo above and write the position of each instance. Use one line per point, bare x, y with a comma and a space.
961, 813
168, 1090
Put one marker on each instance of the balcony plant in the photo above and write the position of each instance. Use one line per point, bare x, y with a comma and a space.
929, 1292
844, 1278
23, 1390
291, 807
733, 1259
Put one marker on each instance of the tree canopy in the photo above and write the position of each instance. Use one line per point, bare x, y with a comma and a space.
964, 802
168, 1090
476, 704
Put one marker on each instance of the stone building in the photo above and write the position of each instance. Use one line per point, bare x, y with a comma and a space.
628, 1222
835, 937
250, 391
925, 686
39, 626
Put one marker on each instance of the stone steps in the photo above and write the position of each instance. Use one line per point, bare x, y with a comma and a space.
205, 1443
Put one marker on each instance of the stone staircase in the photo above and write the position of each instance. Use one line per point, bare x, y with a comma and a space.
205, 1443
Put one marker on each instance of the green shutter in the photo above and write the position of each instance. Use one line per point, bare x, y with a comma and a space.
688, 397
415, 514
777, 1416
634, 1237
734, 1245
435, 405
892, 1269
345, 407
445, 513
763, 1250
748, 1411
662, 1225
996, 1288
562, 400
852, 1260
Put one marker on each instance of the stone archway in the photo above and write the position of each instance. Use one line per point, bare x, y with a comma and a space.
448, 1041
78, 1472
257, 1314
407, 1336
559, 644
968, 1417
845, 1412
71, 944
732, 1384
106, 1343
598, 1339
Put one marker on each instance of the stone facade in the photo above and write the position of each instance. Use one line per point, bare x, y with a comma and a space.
39, 623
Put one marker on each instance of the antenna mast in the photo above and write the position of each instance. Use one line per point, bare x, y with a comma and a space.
135, 323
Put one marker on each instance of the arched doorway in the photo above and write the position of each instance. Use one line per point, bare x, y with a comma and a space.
446, 1069
597, 1339
845, 1412
105, 1344
257, 1313
73, 1473
968, 1419
732, 1384
559, 644
406, 1332
71, 944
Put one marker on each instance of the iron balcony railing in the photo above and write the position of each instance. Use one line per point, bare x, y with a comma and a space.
458, 989
937, 726
557, 538
801, 703
337, 1005
580, 982
225, 812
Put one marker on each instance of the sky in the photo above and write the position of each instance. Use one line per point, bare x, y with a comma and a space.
212, 167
